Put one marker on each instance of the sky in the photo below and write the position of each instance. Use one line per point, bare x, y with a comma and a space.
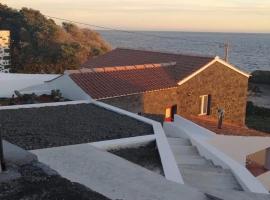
160, 15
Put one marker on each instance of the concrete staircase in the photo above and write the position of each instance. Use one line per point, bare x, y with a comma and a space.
199, 172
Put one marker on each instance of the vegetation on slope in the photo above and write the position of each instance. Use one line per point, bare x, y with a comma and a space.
39, 45
258, 118
260, 77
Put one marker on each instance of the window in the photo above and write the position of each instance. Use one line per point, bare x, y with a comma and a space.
205, 105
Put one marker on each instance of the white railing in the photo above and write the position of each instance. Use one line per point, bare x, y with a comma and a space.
200, 136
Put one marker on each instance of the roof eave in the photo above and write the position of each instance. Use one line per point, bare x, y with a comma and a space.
216, 59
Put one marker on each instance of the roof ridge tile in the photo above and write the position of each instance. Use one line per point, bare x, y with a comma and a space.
121, 68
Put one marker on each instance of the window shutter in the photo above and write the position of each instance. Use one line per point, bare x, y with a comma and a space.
209, 105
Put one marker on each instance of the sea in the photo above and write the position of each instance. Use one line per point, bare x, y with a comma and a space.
248, 51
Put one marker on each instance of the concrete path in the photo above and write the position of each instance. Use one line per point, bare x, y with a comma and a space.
113, 176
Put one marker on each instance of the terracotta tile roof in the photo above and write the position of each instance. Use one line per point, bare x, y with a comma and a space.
126, 71
125, 81
128, 57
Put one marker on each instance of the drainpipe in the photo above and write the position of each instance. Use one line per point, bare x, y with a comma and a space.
2, 159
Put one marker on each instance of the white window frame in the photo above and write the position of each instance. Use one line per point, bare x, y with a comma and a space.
204, 98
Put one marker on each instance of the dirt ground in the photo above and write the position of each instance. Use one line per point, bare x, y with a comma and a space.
145, 156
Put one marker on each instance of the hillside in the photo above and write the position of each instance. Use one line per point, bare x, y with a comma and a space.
39, 45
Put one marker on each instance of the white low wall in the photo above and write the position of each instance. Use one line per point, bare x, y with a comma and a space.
10, 82
200, 138
124, 142
168, 161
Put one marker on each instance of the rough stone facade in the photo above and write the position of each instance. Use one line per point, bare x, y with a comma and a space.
227, 88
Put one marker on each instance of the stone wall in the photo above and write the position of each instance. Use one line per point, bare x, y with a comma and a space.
150, 102
228, 90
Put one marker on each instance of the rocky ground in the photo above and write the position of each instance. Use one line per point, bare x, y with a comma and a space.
145, 156
37, 128
36, 183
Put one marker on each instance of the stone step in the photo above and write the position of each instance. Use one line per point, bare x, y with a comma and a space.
204, 181
184, 150
191, 161
179, 141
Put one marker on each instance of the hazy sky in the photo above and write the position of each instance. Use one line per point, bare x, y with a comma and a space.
183, 15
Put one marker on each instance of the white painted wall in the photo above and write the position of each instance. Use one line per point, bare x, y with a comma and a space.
11, 82
265, 179
68, 88
239, 147
131, 142
64, 83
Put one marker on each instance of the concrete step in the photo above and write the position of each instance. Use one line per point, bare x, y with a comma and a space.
184, 150
182, 157
207, 181
190, 161
235, 195
179, 141
199, 173
205, 168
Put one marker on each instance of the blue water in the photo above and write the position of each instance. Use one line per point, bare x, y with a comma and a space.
247, 51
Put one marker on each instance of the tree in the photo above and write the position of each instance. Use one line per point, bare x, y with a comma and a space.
39, 45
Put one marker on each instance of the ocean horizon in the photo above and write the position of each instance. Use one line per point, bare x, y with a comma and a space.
248, 51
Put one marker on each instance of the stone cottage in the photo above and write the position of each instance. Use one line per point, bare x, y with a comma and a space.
155, 83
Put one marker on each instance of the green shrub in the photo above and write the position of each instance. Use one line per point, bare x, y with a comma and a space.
255, 110
261, 77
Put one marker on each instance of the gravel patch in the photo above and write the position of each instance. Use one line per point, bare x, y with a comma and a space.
37, 128
36, 184
145, 156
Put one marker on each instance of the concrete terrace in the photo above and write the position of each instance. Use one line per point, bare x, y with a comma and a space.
73, 138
